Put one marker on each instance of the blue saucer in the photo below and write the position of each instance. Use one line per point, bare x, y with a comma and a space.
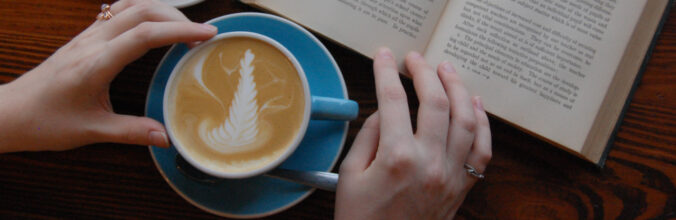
259, 196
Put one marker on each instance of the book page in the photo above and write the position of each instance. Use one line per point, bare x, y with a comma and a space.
365, 25
544, 65
627, 74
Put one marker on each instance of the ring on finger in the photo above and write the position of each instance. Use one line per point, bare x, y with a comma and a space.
471, 171
105, 13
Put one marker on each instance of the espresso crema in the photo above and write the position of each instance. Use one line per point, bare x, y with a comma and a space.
236, 104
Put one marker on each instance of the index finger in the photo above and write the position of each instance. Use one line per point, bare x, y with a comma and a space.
139, 13
392, 102
122, 5
135, 42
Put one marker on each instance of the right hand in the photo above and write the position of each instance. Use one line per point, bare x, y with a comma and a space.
392, 173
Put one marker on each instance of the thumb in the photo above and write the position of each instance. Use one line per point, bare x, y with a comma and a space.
364, 148
128, 129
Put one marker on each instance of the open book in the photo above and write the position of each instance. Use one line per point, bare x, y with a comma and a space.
561, 70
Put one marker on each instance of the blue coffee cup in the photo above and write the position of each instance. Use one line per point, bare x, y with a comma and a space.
315, 108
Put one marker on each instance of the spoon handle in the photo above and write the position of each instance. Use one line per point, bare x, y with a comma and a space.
320, 180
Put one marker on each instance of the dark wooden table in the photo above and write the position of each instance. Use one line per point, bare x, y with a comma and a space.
527, 178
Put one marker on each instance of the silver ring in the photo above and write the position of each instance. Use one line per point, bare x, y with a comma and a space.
105, 13
470, 169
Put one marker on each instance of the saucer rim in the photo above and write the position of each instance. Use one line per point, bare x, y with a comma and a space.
335, 159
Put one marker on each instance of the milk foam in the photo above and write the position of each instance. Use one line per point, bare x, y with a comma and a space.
238, 105
239, 130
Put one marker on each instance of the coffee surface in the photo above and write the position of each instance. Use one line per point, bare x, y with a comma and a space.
237, 104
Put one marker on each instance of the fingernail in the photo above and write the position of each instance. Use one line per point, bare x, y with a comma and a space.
159, 138
448, 67
192, 44
478, 104
209, 28
415, 55
385, 53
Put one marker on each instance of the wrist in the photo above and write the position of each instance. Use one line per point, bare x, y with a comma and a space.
6, 122
12, 117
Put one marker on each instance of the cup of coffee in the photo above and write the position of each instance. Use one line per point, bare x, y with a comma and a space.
239, 104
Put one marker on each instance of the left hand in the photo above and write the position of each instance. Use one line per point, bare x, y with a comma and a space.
64, 102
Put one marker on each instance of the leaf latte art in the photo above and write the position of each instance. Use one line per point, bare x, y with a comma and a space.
241, 126
238, 104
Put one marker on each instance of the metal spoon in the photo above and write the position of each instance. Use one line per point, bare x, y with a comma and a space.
320, 180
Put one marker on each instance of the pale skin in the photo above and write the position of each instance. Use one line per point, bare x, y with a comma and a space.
64, 102
391, 172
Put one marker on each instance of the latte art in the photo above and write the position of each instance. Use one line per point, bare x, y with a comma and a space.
239, 104
240, 129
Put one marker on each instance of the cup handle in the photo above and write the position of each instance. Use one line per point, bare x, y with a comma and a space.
326, 108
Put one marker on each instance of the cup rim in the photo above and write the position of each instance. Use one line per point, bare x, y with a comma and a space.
287, 152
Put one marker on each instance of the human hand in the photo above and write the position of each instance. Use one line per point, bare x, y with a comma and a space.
64, 102
392, 173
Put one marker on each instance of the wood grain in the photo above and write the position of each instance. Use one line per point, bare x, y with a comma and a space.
527, 178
